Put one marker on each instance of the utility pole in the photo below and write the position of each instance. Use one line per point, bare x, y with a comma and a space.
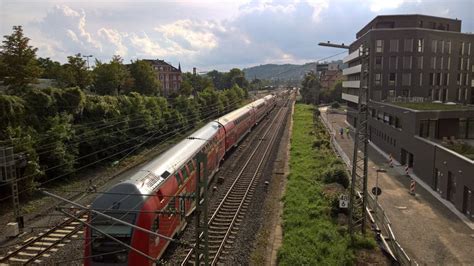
358, 194
201, 248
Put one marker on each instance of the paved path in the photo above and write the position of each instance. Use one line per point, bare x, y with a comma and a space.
428, 230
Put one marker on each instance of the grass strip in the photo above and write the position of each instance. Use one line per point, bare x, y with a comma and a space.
312, 230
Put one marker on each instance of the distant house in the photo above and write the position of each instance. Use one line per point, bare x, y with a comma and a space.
169, 76
330, 76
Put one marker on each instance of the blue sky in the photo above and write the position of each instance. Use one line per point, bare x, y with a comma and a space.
207, 34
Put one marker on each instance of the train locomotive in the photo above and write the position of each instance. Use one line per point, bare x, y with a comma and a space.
155, 186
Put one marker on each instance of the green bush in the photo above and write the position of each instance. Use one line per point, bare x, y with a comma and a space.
337, 175
335, 105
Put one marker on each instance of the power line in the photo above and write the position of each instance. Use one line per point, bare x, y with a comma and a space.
97, 161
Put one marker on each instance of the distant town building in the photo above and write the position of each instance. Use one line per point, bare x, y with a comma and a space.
330, 76
168, 75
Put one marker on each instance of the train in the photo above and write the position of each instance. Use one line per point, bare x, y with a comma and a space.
144, 196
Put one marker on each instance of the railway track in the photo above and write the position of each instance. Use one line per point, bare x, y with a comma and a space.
229, 213
43, 245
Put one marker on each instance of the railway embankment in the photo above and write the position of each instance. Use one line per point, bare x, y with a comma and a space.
314, 228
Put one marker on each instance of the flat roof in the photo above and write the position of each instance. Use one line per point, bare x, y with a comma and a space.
433, 106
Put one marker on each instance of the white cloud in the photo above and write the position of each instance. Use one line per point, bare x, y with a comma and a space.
190, 35
115, 38
379, 5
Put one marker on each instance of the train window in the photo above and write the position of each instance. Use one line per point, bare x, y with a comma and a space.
178, 178
171, 206
184, 172
156, 224
191, 167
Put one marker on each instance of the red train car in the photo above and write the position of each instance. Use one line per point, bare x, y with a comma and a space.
154, 187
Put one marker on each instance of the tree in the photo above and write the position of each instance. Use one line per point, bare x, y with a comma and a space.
145, 78
311, 88
51, 69
186, 88
111, 78
18, 65
75, 73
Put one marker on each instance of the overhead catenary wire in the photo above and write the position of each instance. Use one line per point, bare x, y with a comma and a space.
109, 147
97, 161
107, 133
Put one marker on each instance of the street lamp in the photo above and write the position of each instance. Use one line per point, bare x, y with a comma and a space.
87, 56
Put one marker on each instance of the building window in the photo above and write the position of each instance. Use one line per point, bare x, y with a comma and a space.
407, 62
438, 79
378, 79
379, 46
458, 80
466, 79
419, 62
392, 79
448, 46
393, 45
393, 62
408, 45
391, 93
449, 63
441, 63
469, 49
431, 81
459, 96
441, 46
419, 45
433, 63
406, 79
434, 46
420, 24
378, 62
461, 48
467, 64
461, 63
420, 79
446, 79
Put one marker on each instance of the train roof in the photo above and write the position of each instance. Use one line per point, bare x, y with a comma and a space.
157, 170
234, 114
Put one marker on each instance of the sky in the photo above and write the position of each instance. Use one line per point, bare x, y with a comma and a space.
207, 34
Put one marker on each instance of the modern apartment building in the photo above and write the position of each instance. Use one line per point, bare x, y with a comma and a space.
421, 88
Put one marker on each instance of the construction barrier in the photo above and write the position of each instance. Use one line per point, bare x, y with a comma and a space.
390, 161
412, 187
406, 170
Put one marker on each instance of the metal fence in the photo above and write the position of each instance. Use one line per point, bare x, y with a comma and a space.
376, 213
405, 99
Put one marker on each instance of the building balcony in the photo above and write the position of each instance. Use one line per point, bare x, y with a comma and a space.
352, 70
351, 57
351, 84
350, 97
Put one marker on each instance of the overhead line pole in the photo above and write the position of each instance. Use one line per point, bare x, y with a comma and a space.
358, 201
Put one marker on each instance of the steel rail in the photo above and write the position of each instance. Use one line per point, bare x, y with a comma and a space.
244, 198
278, 117
48, 233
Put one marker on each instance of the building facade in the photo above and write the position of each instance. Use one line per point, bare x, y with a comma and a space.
168, 75
421, 89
